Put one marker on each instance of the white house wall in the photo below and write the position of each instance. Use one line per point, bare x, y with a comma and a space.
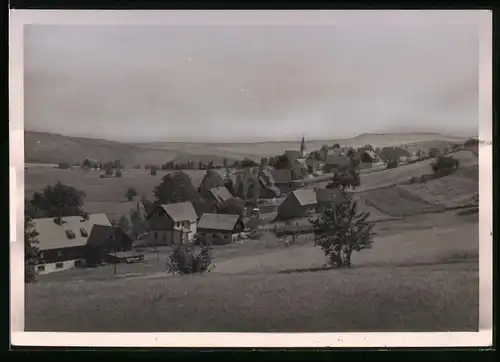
49, 268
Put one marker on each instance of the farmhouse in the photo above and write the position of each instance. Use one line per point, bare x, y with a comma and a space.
283, 180
298, 203
172, 224
74, 241
220, 228
219, 194
268, 188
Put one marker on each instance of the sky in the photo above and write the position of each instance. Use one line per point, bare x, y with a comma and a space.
392, 72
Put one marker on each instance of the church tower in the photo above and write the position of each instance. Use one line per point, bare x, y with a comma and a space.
303, 147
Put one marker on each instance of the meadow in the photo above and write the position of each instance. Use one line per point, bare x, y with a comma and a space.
415, 278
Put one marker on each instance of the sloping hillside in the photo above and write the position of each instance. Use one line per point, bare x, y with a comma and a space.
40, 147
260, 149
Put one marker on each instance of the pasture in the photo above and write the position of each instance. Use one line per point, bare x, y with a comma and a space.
414, 279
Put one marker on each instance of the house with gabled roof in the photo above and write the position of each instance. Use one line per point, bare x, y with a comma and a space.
73, 241
220, 228
298, 204
172, 224
219, 194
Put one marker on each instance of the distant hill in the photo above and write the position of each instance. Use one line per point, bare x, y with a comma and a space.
41, 147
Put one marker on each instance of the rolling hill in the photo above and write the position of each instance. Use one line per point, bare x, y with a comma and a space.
42, 147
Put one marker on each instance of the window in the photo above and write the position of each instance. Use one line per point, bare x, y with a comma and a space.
41, 255
59, 265
59, 254
177, 224
41, 268
84, 232
156, 235
226, 236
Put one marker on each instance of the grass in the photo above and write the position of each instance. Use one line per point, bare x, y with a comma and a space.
110, 190
409, 299
412, 280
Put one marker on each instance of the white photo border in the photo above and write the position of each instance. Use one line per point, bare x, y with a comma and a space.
17, 20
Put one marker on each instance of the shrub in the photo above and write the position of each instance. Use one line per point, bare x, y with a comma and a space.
63, 166
185, 259
340, 230
392, 164
118, 173
448, 163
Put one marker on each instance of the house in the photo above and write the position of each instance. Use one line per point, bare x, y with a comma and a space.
298, 203
268, 188
220, 228
73, 241
219, 194
172, 224
325, 198
334, 162
282, 180
393, 153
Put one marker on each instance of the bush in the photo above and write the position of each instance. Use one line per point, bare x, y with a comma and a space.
185, 260
448, 163
63, 166
341, 230
118, 173
392, 164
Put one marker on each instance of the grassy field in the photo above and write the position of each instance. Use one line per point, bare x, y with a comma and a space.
402, 174
417, 277
101, 189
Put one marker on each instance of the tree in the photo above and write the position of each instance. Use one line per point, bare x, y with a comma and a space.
64, 166
253, 192
186, 260
336, 145
264, 162
176, 187
31, 251
211, 180
59, 200
282, 162
131, 193
324, 152
225, 163
341, 229
124, 223
109, 171
248, 163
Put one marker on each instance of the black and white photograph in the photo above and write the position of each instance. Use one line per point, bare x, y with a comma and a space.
251, 172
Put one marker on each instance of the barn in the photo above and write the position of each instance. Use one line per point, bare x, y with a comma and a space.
298, 204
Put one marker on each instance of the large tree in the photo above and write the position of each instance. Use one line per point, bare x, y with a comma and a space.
341, 229
176, 187
58, 201
211, 180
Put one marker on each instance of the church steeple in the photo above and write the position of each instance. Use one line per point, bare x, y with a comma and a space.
303, 146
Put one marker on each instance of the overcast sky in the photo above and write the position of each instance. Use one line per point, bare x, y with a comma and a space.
396, 72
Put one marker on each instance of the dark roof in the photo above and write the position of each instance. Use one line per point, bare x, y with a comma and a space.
221, 194
305, 197
54, 236
100, 235
180, 211
281, 176
223, 222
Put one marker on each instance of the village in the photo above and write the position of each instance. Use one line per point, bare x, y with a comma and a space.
268, 198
